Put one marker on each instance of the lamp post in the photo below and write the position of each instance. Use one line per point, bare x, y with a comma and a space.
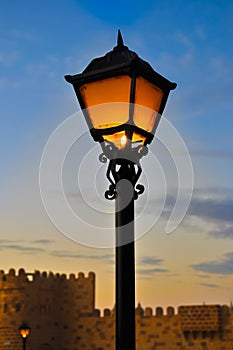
122, 99
24, 331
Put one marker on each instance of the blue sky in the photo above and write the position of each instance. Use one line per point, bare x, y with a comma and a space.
188, 42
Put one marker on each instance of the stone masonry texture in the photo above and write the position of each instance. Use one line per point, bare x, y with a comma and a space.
60, 311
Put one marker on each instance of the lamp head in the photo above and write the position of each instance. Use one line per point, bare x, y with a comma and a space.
24, 330
122, 97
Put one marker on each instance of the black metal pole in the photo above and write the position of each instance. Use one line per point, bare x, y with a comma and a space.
24, 343
125, 266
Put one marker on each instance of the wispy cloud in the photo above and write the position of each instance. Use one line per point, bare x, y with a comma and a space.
21, 248
3, 241
9, 58
5, 84
208, 205
203, 276
212, 208
147, 267
215, 207
222, 230
151, 272
149, 260
223, 266
209, 285
23, 35
188, 48
43, 241
108, 258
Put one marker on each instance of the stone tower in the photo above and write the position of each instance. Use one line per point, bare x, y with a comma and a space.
51, 304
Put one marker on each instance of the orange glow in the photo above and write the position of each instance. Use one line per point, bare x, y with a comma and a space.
24, 332
103, 93
116, 139
147, 102
119, 139
138, 138
108, 105
123, 141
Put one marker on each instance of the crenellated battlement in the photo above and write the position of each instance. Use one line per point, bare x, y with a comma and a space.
22, 279
60, 310
32, 277
45, 294
196, 316
139, 311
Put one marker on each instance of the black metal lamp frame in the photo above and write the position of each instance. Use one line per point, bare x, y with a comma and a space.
118, 62
24, 326
123, 171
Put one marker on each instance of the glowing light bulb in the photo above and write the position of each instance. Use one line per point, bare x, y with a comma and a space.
123, 141
24, 333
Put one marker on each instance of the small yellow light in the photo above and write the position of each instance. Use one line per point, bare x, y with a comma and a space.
123, 141
24, 333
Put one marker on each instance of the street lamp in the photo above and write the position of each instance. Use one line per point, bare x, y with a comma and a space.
24, 331
122, 99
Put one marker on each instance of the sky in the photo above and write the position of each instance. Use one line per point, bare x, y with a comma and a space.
190, 43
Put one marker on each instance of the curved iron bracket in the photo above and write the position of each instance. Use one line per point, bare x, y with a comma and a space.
123, 164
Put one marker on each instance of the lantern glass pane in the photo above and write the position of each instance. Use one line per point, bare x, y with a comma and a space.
138, 138
103, 93
24, 332
148, 98
119, 139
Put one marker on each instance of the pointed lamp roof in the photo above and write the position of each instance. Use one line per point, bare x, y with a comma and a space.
119, 61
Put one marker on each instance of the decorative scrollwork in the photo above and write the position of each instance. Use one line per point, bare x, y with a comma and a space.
111, 193
103, 158
123, 164
139, 190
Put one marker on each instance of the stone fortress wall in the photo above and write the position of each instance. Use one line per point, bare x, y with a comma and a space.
61, 313
51, 304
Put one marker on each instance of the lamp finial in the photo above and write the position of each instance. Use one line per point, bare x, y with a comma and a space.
120, 41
